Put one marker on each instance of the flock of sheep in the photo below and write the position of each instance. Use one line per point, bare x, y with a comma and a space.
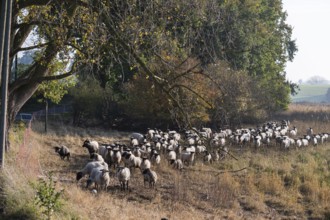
144, 151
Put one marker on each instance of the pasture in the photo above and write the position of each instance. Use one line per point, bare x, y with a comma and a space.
311, 93
268, 182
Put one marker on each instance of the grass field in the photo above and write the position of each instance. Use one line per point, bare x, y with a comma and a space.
272, 183
311, 93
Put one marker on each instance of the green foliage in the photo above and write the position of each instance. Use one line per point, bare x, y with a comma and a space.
47, 197
55, 90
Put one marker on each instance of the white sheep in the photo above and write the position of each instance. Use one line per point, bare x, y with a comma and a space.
150, 177
188, 157
155, 158
177, 164
146, 164
92, 146
100, 177
97, 157
63, 151
207, 157
310, 131
131, 160
171, 155
89, 167
123, 174
116, 157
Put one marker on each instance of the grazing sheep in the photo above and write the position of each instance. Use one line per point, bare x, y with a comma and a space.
123, 174
100, 177
63, 151
89, 167
150, 177
92, 146
97, 157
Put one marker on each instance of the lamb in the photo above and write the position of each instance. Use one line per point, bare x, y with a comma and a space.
92, 146
63, 151
123, 174
89, 167
97, 157
99, 176
150, 177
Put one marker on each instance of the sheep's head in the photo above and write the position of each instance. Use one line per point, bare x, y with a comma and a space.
86, 143
93, 156
57, 149
79, 176
145, 171
89, 182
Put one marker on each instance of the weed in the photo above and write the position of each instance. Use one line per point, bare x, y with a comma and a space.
47, 198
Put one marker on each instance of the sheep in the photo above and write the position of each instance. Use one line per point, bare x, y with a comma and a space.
103, 150
92, 146
145, 164
309, 131
99, 176
63, 151
293, 132
131, 160
116, 157
207, 157
171, 155
155, 158
89, 167
188, 157
97, 157
123, 174
150, 177
177, 164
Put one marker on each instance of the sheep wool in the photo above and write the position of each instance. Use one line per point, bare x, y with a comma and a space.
150, 177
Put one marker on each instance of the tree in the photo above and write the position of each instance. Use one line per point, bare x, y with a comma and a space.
103, 35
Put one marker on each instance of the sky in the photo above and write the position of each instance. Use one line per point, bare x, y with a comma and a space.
310, 20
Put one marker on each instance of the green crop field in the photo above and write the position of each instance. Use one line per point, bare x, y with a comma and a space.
311, 93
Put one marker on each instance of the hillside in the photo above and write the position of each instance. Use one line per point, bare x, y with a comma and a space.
311, 93
265, 183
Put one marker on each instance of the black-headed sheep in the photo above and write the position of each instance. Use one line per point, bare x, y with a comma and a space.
63, 151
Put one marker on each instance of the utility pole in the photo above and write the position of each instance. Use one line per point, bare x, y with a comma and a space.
2, 30
4, 77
